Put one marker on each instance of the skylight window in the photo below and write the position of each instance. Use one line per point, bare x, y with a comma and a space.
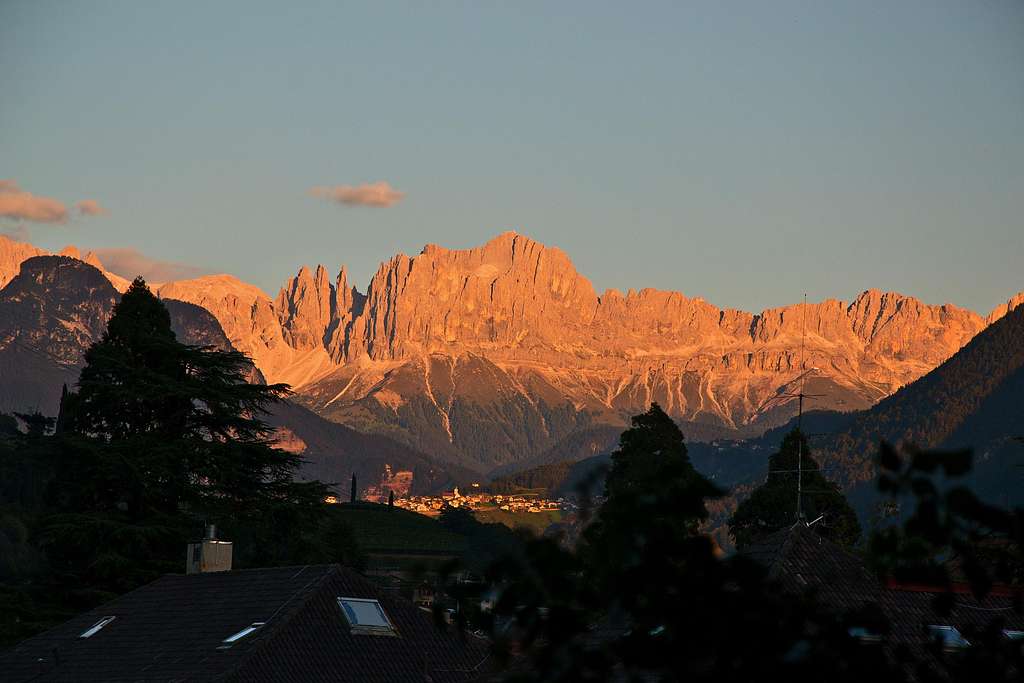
949, 636
1013, 635
235, 637
95, 628
366, 617
865, 635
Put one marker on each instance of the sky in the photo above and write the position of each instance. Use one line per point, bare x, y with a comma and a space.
743, 152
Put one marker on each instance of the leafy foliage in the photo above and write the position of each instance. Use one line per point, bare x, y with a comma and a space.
952, 536
646, 596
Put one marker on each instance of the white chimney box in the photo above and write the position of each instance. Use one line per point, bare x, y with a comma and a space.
209, 554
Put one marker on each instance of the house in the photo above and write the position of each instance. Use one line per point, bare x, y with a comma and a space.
804, 561
312, 623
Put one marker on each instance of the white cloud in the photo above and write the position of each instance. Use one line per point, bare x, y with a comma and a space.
378, 195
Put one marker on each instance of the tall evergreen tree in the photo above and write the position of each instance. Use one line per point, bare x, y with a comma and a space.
773, 505
654, 501
160, 437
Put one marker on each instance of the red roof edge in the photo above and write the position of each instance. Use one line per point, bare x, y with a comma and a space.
956, 587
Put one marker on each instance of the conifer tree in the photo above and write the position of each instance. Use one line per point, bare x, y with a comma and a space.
773, 505
159, 437
654, 504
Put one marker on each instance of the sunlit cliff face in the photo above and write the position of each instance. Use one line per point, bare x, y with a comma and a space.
491, 354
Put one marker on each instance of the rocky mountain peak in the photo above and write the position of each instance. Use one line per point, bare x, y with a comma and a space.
304, 308
12, 254
71, 251
495, 296
1002, 309
510, 335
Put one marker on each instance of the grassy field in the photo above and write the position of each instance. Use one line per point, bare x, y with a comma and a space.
535, 521
378, 527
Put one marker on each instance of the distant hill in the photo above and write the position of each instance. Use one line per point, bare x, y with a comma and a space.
602, 439
580, 445
395, 538
727, 462
332, 453
54, 309
379, 528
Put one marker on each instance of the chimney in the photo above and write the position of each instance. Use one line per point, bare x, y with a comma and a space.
209, 554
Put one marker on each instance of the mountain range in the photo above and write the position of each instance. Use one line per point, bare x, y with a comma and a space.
55, 307
492, 358
974, 400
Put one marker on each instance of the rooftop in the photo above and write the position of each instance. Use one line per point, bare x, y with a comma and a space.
281, 624
802, 560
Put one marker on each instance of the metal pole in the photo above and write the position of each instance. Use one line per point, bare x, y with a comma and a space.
800, 420
800, 460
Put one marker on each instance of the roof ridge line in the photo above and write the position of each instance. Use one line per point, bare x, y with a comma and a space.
269, 628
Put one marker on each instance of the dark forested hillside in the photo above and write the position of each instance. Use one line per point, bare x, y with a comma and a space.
727, 462
332, 453
52, 311
973, 399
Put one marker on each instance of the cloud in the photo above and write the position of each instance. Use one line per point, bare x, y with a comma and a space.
378, 195
129, 263
17, 204
91, 207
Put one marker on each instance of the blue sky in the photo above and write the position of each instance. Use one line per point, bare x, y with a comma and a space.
742, 152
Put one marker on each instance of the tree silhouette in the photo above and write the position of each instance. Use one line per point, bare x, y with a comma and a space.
653, 496
647, 596
773, 505
159, 437
953, 536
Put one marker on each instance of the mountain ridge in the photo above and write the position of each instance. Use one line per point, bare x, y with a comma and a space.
56, 307
492, 355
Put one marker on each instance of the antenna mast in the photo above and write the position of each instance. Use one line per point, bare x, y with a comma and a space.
783, 396
799, 420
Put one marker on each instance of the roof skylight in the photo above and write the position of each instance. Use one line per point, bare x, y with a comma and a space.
1013, 635
233, 638
366, 616
95, 628
864, 634
949, 636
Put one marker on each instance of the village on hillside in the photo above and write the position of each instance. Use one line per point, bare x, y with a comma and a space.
483, 501
511, 509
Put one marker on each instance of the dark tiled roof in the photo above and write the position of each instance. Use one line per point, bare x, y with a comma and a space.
318, 640
172, 629
802, 560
